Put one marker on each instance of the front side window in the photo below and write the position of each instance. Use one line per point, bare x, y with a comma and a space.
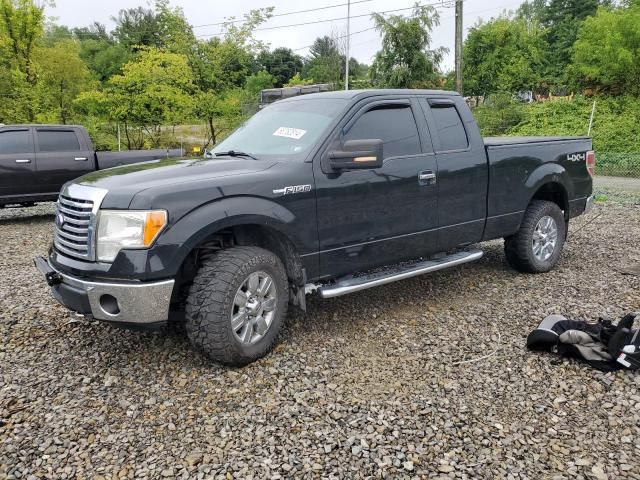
284, 129
15, 141
58, 141
393, 124
449, 128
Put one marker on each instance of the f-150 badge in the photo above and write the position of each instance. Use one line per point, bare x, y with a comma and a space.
290, 190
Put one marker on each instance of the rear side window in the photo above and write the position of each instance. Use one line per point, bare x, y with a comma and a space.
450, 128
58, 141
15, 141
394, 125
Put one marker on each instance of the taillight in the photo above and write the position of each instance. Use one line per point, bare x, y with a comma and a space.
591, 162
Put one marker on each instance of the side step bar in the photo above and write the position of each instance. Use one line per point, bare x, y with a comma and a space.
355, 284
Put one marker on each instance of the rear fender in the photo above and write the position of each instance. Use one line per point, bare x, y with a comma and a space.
548, 173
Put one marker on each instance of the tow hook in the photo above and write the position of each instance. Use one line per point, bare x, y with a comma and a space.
53, 278
50, 275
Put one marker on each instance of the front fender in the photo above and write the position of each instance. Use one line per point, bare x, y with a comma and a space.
173, 246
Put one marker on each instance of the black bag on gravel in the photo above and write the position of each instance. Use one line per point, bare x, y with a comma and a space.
602, 345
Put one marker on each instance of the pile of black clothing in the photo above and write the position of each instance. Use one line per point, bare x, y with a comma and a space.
603, 345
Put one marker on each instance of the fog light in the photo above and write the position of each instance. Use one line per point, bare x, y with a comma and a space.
109, 304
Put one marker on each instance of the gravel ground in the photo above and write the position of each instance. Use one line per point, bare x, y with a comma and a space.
367, 385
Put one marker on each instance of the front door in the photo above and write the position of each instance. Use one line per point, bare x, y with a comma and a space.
17, 163
61, 155
368, 218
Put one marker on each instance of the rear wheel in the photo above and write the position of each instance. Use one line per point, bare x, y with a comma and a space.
236, 305
537, 246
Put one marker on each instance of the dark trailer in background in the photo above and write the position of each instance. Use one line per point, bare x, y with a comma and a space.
271, 95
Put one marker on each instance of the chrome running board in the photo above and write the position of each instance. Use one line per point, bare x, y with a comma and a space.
401, 272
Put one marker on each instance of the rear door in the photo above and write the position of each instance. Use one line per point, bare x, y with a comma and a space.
17, 162
368, 218
462, 171
61, 155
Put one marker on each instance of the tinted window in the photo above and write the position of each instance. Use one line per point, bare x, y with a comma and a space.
395, 126
58, 141
15, 141
450, 129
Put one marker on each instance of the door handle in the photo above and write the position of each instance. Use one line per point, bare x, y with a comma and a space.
81, 159
23, 160
427, 177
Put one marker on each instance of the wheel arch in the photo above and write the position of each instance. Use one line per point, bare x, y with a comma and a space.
268, 226
551, 182
553, 192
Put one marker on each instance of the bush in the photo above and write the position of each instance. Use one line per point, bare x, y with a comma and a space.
615, 132
498, 115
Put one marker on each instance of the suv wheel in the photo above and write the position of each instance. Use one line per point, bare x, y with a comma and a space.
236, 305
537, 246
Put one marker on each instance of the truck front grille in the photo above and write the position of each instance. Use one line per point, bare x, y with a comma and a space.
76, 214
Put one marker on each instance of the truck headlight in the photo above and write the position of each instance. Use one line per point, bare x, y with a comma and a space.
119, 229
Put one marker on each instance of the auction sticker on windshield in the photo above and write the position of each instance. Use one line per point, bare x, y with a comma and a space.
289, 132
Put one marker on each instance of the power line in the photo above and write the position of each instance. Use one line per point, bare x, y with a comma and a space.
442, 4
285, 14
336, 38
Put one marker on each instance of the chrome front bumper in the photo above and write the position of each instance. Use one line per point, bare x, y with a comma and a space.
133, 303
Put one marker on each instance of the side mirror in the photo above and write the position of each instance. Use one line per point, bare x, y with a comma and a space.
357, 154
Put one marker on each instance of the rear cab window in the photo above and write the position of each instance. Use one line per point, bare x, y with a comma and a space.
15, 141
58, 141
394, 124
448, 124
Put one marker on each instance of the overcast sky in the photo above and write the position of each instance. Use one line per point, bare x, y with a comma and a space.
76, 13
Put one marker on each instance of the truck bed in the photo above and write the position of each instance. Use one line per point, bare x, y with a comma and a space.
512, 185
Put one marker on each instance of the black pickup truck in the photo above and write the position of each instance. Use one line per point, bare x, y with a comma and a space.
331, 192
36, 160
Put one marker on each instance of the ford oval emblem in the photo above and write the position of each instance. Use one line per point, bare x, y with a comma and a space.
59, 220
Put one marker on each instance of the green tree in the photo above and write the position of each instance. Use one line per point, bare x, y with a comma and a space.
281, 63
562, 20
104, 58
62, 76
257, 82
406, 60
138, 27
326, 62
221, 66
503, 55
21, 28
158, 27
155, 89
607, 51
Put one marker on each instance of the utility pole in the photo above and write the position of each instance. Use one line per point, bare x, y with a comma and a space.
346, 66
459, 46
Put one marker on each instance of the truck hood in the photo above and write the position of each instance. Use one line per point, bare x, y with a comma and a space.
124, 182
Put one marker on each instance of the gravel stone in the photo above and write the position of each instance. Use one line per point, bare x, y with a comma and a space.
362, 386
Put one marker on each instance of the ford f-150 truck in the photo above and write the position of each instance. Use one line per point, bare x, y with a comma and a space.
330, 192
37, 160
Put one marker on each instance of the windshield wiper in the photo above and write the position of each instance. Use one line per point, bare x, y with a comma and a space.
234, 153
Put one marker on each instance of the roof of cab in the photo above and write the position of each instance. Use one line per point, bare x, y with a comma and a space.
353, 94
39, 125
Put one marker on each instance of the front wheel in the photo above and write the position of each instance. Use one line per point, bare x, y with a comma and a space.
236, 305
537, 246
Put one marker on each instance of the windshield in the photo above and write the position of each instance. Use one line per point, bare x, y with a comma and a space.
283, 129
